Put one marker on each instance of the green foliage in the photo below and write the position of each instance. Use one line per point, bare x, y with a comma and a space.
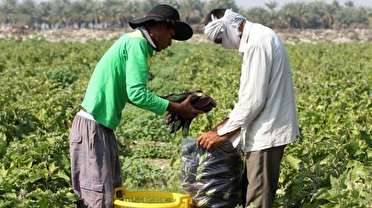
34, 172
334, 110
43, 84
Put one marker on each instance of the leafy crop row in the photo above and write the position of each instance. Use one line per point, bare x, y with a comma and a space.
43, 83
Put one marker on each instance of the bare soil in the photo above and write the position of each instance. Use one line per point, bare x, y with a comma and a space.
289, 35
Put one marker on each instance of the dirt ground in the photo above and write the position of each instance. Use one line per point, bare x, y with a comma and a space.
289, 36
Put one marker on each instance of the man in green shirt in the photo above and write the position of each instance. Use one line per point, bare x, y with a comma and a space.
120, 77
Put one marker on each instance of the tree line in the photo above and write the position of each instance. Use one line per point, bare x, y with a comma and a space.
105, 14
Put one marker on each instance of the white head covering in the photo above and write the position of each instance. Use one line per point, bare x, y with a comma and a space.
227, 27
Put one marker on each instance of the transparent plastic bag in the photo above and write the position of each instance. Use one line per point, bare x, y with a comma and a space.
213, 177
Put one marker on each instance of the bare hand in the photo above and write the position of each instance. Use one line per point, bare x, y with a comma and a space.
210, 139
185, 109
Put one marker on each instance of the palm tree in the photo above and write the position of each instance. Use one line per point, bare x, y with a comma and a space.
8, 11
191, 10
271, 5
213, 4
26, 13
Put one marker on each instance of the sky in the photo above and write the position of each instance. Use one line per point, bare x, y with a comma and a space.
252, 3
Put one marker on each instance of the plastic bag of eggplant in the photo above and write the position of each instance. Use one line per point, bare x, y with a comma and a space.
212, 177
199, 101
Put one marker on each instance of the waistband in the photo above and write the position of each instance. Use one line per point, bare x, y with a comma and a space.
86, 115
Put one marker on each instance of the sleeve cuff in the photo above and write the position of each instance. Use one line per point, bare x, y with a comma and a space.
164, 105
227, 128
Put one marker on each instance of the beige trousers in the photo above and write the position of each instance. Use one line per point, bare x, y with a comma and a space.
95, 167
262, 174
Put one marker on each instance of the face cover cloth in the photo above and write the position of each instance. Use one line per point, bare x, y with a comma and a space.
226, 28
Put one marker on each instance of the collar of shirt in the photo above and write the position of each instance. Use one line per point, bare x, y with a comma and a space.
245, 36
147, 36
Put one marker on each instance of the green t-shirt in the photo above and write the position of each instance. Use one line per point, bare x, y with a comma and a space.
119, 77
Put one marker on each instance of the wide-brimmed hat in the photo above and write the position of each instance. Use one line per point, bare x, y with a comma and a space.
165, 13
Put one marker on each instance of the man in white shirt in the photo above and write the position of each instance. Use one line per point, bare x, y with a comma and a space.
264, 119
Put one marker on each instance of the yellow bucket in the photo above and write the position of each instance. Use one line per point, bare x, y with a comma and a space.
125, 199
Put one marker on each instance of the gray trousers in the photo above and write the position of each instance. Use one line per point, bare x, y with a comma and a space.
262, 175
95, 167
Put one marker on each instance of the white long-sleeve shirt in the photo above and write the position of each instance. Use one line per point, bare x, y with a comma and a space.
266, 109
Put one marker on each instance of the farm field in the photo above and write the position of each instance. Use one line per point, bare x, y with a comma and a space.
42, 85
287, 35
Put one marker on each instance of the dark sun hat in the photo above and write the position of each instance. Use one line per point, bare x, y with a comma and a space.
165, 13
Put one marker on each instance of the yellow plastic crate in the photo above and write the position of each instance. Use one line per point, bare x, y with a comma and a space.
128, 198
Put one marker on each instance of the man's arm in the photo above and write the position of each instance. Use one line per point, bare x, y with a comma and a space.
137, 76
211, 139
254, 88
252, 99
136, 84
